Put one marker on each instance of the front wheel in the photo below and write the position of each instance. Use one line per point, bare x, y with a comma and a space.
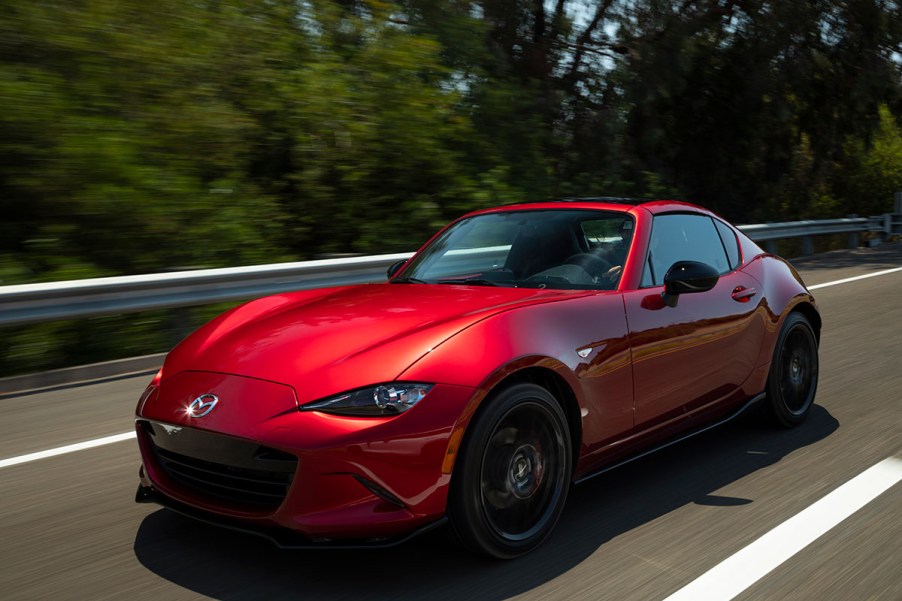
513, 473
792, 381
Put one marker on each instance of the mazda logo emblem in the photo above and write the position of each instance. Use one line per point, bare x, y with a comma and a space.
202, 405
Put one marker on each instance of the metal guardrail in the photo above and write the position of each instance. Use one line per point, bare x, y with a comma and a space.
792, 229
769, 233
892, 224
33, 303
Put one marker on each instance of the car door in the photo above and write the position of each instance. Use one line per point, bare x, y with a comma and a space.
701, 350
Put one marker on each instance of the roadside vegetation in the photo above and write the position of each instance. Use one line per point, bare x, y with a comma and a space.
139, 137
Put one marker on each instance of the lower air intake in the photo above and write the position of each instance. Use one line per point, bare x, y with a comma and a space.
240, 473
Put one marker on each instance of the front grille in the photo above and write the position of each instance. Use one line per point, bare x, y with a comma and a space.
244, 474
240, 485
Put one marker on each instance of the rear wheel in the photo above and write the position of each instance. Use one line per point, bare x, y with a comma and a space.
512, 476
792, 382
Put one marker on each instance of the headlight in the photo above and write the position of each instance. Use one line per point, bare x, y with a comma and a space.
375, 401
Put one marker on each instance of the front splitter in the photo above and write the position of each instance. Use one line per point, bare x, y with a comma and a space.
281, 537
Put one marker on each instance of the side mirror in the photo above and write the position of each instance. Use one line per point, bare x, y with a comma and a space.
686, 277
395, 268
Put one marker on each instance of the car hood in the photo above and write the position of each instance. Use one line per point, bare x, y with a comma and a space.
321, 342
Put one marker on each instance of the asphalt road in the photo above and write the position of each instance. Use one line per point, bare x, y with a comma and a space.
69, 528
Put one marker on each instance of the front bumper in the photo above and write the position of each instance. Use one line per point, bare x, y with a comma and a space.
355, 482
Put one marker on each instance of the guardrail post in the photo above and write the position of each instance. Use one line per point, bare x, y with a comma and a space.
807, 246
853, 236
179, 324
771, 246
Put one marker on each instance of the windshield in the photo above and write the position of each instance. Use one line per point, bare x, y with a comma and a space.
562, 249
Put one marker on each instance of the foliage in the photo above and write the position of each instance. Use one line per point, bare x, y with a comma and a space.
143, 137
874, 172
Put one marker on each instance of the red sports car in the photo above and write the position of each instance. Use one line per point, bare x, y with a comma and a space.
522, 349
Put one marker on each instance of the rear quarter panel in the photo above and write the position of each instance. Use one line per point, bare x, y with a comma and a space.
783, 291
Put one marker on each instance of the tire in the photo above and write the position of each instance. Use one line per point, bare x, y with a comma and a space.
513, 473
792, 381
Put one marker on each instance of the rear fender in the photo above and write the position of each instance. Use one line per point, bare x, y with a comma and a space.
784, 292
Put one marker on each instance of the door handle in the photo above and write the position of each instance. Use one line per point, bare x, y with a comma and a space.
743, 294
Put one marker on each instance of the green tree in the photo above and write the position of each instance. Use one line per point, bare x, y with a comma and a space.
874, 170
141, 137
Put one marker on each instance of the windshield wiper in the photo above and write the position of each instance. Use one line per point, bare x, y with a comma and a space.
408, 281
471, 281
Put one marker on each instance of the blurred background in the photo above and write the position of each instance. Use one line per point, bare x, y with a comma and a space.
143, 137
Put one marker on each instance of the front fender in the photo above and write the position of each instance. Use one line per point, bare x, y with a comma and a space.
584, 341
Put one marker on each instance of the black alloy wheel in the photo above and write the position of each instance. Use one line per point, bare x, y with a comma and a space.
513, 474
792, 382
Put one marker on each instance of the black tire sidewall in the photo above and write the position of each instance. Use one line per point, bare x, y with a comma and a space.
468, 521
775, 406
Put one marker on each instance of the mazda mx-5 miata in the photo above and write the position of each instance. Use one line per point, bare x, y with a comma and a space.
522, 349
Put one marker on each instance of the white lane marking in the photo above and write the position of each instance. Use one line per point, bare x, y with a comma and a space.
743, 569
69, 448
855, 278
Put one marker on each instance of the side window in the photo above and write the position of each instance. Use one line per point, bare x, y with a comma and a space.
730, 243
682, 237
